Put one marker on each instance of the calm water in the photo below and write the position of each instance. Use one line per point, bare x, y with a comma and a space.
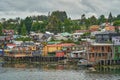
59, 72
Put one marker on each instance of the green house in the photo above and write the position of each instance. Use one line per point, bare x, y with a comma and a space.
117, 52
116, 47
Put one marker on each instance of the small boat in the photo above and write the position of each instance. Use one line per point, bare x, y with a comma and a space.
92, 69
84, 63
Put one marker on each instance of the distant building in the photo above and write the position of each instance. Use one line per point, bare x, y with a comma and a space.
50, 50
36, 36
94, 28
105, 37
46, 37
100, 51
110, 28
60, 37
95, 32
76, 36
82, 31
2, 20
8, 35
116, 47
66, 34
8, 32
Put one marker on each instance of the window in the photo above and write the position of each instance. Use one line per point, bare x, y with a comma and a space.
103, 49
105, 36
103, 54
99, 36
92, 55
99, 54
116, 49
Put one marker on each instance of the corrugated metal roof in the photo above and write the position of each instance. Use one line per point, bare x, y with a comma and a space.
65, 34
63, 44
102, 44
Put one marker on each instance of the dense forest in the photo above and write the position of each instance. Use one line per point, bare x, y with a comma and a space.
55, 22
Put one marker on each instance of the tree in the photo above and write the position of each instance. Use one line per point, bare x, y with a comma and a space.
20, 27
116, 24
24, 39
93, 20
110, 18
85, 35
54, 25
23, 32
28, 24
61, 15
35, 26
101, 19
83, 19
118, 17
43, 26
0, 29
56, 21
67, 25
87, 23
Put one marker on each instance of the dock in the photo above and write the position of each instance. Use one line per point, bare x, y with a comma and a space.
31, 59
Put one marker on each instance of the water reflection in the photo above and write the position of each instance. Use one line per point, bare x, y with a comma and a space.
41, 66
108, 69
50, 72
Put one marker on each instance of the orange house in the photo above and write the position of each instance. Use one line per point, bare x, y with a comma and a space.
99, 51
20, 51
33, 48
94, 28
59, 54
55, 47
110, 28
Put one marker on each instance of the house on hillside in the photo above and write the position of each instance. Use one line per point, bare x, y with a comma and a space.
47, 36
50, 50
76, 36
60, 37
105, 37
94, 28
100, 51
8, 32
66, 34
116, 47
36, 36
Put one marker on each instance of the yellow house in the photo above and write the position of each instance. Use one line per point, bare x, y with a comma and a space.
55, 47
33, 48
20, 51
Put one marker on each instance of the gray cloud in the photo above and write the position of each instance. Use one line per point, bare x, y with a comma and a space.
74, 8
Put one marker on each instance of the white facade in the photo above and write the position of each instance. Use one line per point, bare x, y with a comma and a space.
116, 40
76, 36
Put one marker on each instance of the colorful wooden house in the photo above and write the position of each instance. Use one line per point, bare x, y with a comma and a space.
8, 32
1, 52
50, 50
94, 28
100, 51
20, 51
105, 37
116, 47
60, 54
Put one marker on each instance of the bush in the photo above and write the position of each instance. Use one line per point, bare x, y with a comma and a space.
24, 39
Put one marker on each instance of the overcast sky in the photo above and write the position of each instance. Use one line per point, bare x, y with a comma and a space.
74, 8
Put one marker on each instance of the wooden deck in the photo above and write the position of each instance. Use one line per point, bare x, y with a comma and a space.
31, 59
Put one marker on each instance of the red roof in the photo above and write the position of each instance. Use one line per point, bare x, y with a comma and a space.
11, 45
110, 28
81, 31
63, 44
67, 44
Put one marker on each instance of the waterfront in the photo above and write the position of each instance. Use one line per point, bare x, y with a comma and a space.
56, 72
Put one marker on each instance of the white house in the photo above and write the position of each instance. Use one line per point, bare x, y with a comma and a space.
116, 40
76, 36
